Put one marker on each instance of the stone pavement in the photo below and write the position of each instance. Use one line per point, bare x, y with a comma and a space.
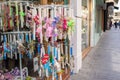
103, 61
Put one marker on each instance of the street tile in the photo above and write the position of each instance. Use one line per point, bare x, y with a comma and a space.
103, 61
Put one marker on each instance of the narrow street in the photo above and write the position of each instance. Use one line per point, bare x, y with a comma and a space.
103, 62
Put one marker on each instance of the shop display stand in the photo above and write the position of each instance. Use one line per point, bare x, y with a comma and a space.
48, 40
17, 32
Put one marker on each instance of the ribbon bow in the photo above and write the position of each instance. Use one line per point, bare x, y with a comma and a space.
37, 20
55, 21
47, 23
49, 31
71, 24
22, 13
64, 24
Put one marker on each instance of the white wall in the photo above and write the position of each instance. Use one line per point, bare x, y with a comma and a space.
77, 5
92, 41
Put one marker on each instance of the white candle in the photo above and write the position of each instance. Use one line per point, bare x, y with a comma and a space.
30, 37
47, 73
26, 11
21, 17
59, 53
14, 39
34, 12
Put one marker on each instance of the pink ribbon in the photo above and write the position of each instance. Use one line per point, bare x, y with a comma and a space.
37, 20
49, 31
64, 24
47, 23
38, 32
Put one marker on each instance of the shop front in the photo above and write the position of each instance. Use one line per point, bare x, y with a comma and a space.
85, 26
98, 21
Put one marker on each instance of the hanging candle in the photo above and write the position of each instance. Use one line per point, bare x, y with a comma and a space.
6, 50
55, 53
39, 30
37, 20
49, 31
71, 51
58, 53
45, 59
20, 37
4, 38
49, 49
71, 24
55, 21
29, 54
48, 23
39, 48
55, 34
52, 60
38, 33
64, 24
30, 37
46, 56
22, 13
27, 38
5, 56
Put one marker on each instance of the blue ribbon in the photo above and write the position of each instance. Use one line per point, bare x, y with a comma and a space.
55, 53
27, 36
20, 36
71, 51
54, 23
48, 49
5, 38
32, 36
53, 62
46, 66
29, 55
6, 50
5, 56
39, 48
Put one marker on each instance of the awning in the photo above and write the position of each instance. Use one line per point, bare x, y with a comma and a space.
116, 1
115, 7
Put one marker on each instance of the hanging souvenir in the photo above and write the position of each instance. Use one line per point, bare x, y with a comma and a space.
16, 16
29, 15
22, 14
35, 64
36, 19
21, 48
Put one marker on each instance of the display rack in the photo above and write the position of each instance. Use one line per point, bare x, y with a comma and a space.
43, 34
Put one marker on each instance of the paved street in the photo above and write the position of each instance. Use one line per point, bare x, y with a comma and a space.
103, 62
